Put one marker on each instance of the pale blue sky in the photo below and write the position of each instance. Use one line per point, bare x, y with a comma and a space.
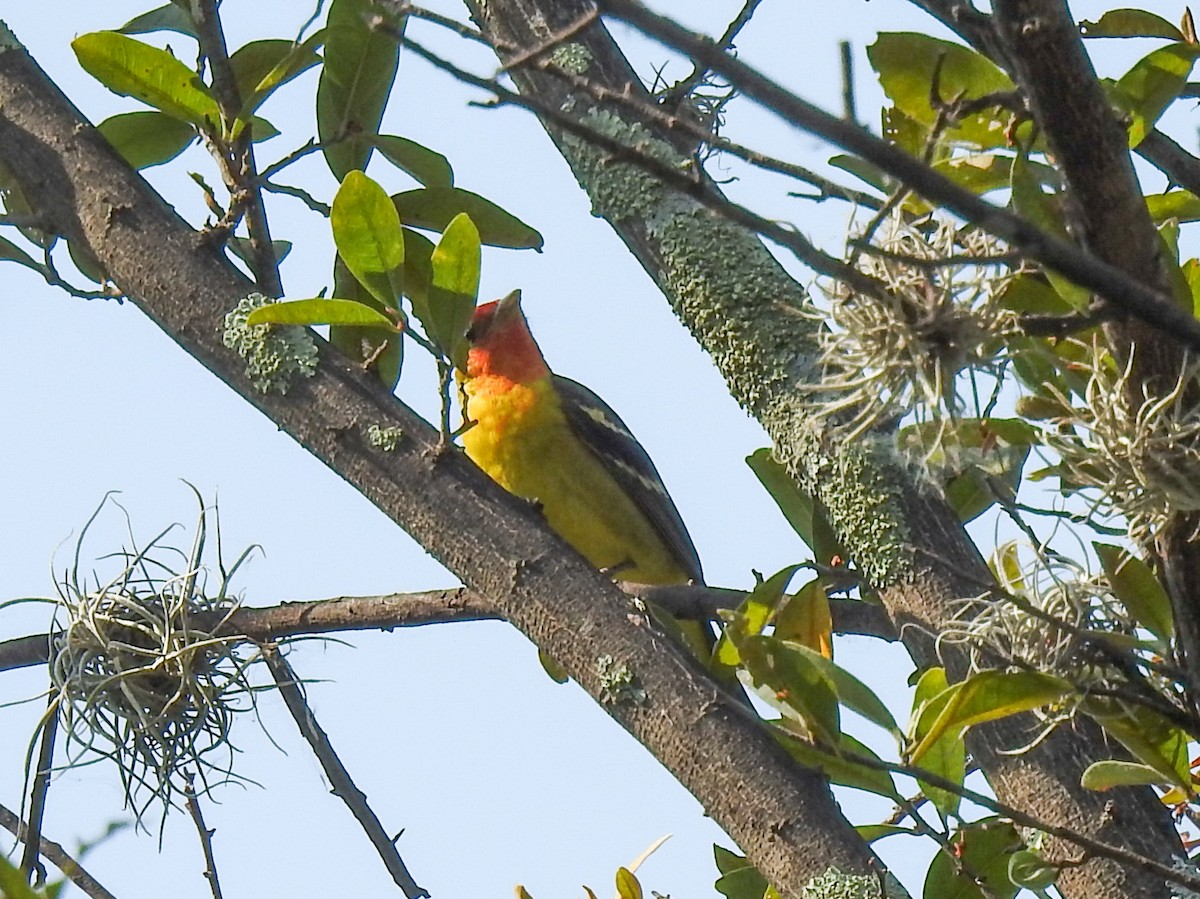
497, 775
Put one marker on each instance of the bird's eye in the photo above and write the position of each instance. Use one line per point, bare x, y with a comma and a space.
472, 333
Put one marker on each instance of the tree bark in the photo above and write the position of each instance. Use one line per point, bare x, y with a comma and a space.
742, 308
782, 815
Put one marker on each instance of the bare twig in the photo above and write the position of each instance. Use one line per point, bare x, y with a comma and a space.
290, 619
56, 855
206, 835
37, 799
1135, 298
692, 185
677, 92
237, 159
339, 778
849, 105
555, 40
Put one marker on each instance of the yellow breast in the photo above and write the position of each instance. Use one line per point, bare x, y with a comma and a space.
522, 439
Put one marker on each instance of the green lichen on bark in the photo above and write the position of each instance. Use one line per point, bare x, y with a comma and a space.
749, 314
573, 57
859, 484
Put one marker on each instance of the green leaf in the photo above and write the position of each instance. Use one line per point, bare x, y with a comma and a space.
946, 756
454, 290
133, 69
851, 692
1032, 872
1150, 737
362, 344
627, 885
367, 232
1139, 591
260, 67
428, 166
147, 138
802, 511
356, 80
753, 615
864, 171
906, 63
981, 850
244, 250
13, 883
1043, 210
739, 879
1181, 205
987, 696
318, 311
1105, 775
805, 618
838, 764
795, 684
1154, 82
418, 267
1031, 293
166, 18
1130, 23
433, 208
872, 832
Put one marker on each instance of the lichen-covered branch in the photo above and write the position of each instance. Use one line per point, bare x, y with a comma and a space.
782, 815
747, 314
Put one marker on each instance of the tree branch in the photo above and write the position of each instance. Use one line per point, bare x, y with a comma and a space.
56, 855
740, 305
783, 816
353, 613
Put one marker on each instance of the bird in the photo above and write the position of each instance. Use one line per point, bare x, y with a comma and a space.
554, 442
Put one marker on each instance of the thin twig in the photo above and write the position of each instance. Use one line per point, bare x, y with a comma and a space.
681, 89
692, 602
693, 186
206, 835
56, 855
1136, 298
40, 788
339, 778
1095, 847
560, 37
849, 104
236, 160
299, 193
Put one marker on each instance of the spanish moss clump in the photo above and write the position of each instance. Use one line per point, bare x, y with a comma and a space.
140, 676
1045, 618
1142, 459
906, 351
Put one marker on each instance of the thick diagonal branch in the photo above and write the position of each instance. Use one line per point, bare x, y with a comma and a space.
743, 309
782, 815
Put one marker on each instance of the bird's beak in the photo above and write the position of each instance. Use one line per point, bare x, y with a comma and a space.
509, 308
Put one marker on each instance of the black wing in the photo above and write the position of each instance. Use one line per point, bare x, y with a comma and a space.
602, 431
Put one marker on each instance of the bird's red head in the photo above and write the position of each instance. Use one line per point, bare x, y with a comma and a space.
501, 345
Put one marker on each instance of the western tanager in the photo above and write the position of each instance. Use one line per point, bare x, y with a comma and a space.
553, 441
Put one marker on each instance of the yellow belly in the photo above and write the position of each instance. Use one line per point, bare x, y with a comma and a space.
524, 442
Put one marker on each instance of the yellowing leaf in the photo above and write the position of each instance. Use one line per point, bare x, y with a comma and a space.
989, 695
133, 69
627, 885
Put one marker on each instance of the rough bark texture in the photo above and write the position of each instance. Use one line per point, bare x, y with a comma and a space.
782, 816
742, 308
1109, 216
